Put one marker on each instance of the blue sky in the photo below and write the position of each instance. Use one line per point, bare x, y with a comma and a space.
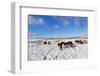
57, 26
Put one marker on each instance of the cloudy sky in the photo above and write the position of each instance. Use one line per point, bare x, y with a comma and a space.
57, 26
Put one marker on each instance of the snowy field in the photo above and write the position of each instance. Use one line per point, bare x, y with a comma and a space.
37, 50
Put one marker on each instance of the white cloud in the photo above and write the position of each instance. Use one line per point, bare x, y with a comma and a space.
36, 21
41, 20
56, 26
77, 21
66, 22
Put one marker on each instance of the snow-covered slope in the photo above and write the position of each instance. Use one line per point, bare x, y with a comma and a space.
40, 51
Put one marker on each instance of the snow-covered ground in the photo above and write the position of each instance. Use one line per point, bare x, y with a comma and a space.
39, 51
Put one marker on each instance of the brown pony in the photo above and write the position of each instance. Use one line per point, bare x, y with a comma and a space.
79, 41
65, 44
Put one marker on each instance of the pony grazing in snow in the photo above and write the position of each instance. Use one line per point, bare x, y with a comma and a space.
81, 42
66, 45
45, 42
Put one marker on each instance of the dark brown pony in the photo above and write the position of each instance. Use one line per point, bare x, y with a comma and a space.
68, 44
79, 41
65, 44
47, 42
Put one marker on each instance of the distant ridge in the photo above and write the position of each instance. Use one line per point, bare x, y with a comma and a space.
62, 38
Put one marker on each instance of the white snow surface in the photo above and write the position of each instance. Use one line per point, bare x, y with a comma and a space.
39, 51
